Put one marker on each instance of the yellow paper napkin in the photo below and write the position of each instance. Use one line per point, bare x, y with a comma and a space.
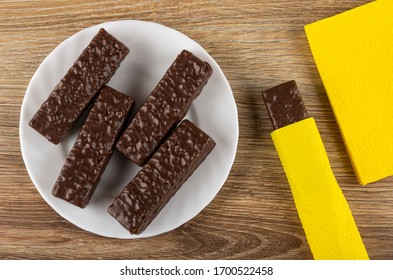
353, 52
323, 210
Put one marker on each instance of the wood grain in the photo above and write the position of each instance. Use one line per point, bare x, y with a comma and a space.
258, 44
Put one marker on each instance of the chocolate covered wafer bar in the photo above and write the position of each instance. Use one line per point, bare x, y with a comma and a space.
165, 107
73, 94
93, 148
161, 177
327, 220
284, 104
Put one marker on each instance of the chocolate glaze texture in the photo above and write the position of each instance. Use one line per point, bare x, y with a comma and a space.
73, 94
165, 107
93, 148
284, 104
161, 177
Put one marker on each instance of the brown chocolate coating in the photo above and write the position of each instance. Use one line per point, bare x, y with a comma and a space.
73, 94
161, 177
165, 107
93, 148
284, 104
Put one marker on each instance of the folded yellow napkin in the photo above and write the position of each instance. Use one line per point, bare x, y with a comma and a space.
323, 210
353, 52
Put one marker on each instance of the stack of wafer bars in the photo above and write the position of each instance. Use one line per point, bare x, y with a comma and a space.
168, 152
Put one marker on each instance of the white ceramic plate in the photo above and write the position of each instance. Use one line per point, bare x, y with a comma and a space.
153, 49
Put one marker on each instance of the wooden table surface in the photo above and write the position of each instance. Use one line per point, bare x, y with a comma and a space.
258, 44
